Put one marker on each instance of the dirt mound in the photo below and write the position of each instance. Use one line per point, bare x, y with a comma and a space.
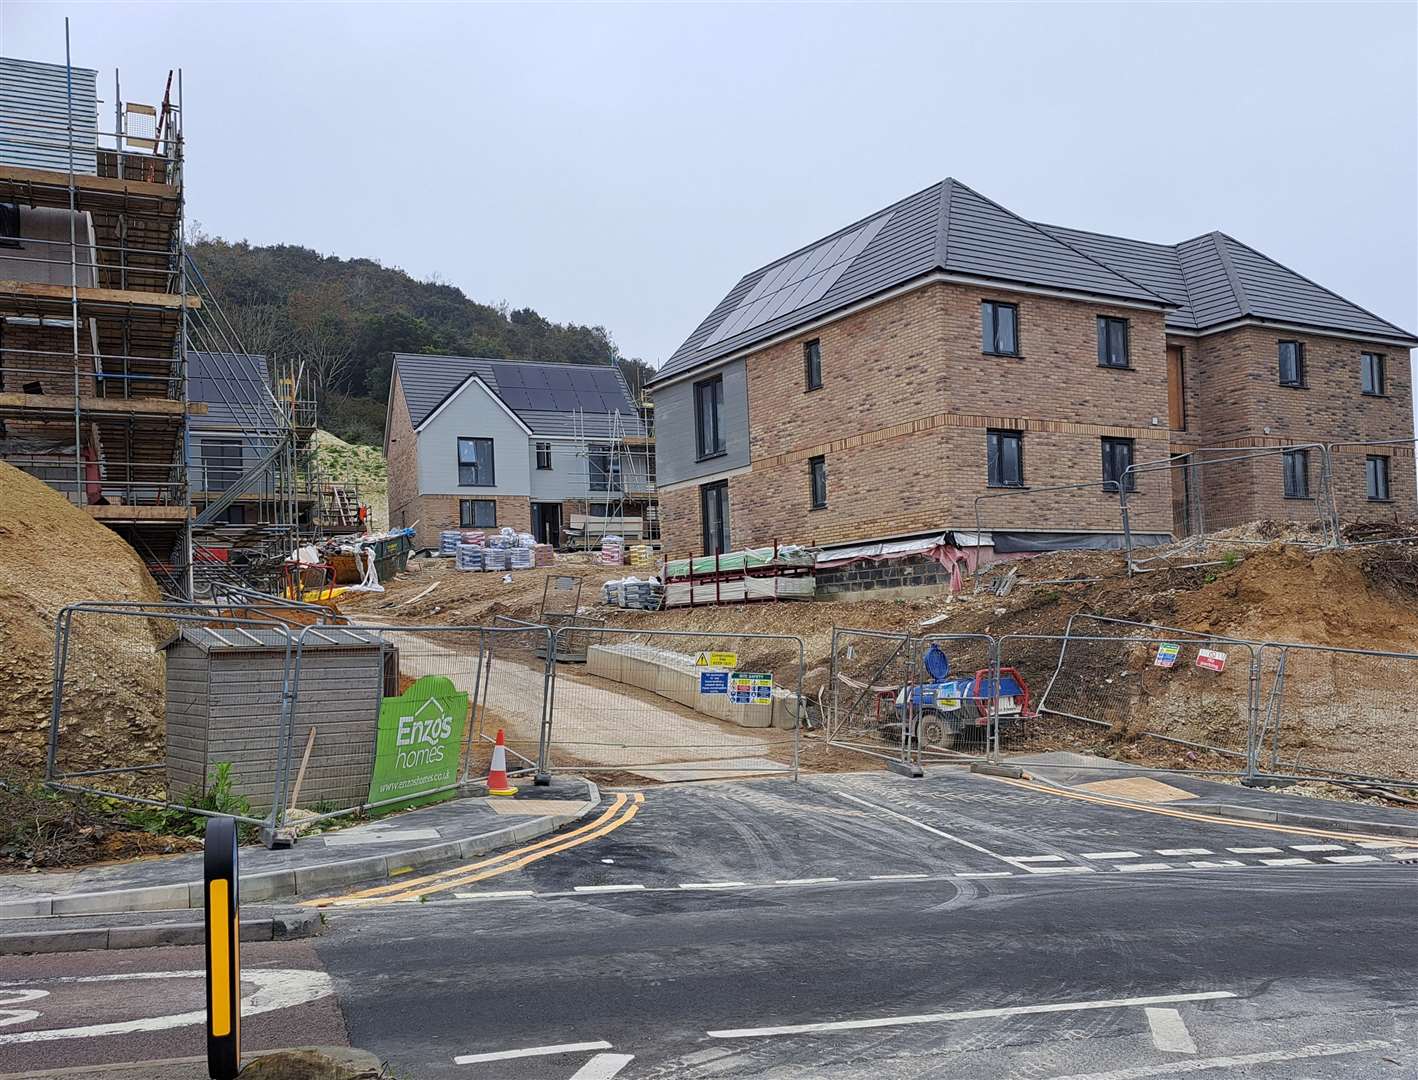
53, 554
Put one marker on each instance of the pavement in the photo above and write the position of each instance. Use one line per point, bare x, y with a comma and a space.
839, 928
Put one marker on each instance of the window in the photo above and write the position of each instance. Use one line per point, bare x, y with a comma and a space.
477, 513
1112, 342
1376, 471
1297, 474
1292, 363
221, 463
714, 515
999, 328
708, 404
812, 364
1004, 453
544, 456
9, 225
1117, 459
475, 463
817, 481
1372, 368
605, 469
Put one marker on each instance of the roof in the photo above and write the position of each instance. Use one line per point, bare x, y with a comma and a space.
952, 229
544, 396
235, 387
234, 636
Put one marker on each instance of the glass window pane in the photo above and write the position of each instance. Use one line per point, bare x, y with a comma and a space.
1005, 329
987, 327
1009, 446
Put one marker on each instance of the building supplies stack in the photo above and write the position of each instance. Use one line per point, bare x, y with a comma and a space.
448, 541
473, 536
470, 557
783, 572
642, 556
495, 558
613, 551
633, 592
519, 558
543, 555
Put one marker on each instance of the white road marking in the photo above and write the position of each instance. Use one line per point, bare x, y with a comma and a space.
713, 884
9, 998
531, 1051
805, 881
985, 873
603, 1067
971, 1014
1287, 862
1134, 866
896, 877
1352, 858
1111, 855
1316, 847
1384, 843
929, 828
276, 988
508, 894
1219, 864
1254, 850
1406, 856
1183, 851
1194, 1065
1061, 869
608, 888
1169, 1031
1034, 858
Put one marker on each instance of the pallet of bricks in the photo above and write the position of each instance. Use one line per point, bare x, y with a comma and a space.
780, 572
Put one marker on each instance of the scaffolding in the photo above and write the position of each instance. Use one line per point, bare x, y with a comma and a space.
619, 495
101, 309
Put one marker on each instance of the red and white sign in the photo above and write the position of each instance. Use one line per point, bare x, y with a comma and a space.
1211, 659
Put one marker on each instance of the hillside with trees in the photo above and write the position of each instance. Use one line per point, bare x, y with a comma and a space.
347, 317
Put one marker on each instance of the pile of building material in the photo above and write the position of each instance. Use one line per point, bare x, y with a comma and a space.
613, 551
449, 539
469, 557
780, 572
634, 592
642, 556
506, 549
674, 676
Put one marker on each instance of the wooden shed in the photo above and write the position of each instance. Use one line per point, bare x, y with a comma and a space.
224, 696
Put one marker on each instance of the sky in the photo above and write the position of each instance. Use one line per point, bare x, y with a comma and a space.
623, 165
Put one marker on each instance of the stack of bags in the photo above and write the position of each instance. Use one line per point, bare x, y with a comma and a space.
642, 555
613, 551
473, 536
543, 555
519, 558
495, 558
633, 592
448, 541
470, 557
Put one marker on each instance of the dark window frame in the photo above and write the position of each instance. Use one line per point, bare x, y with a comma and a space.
1378, 363
468, 513
477, 463
544, 457
10, 225
989, 327
714, 490
605, 471
1298, 380
1380, 478
1290, 460
709, 444
994, 457
812, 364
1105, 352
1119, 445
817, 481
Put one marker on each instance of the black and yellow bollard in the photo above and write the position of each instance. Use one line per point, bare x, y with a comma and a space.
223, 950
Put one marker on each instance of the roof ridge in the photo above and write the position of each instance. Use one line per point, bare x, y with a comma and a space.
1106, 235
942, 233
1063, 243
1309, 281
1242, 301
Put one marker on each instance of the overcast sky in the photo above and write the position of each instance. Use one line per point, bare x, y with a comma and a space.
624, 165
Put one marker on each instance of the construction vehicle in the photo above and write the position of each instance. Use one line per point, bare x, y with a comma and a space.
945, 711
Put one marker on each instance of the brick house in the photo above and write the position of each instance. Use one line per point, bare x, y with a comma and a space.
873, 384
479, 443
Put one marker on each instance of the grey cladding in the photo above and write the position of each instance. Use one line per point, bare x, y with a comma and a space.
235, 388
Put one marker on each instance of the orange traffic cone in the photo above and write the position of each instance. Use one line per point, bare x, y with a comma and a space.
497, 783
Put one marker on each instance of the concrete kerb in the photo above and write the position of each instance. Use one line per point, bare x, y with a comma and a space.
285, 926
299, 881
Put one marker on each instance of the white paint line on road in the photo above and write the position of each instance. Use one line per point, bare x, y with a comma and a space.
1034, 858
1287, 862
1316, 847
1254, 850
1183, 851
1195, 1065
1169, 1031
929, 828
1385, 843
608, 888
714, 885
531, 1051
805, 881
1063, 869
971, 1014
1219, 864
987, 873
1135, 866
1352, 858
508, 894
603, 1067
897, 877
1407, 856
1111, 855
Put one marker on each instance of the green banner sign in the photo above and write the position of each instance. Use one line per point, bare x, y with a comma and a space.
419, 735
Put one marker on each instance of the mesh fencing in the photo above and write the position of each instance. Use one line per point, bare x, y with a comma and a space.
868, 695
512, 695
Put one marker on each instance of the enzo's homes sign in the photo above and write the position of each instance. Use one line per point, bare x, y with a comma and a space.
419, 735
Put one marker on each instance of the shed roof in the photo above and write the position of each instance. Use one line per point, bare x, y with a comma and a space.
227, 638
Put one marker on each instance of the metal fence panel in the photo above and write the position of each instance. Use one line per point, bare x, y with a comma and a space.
869, 697
641, 704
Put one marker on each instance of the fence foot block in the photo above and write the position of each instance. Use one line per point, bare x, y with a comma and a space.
906, 768
988, 768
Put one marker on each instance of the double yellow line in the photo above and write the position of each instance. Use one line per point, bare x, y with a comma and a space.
622, 809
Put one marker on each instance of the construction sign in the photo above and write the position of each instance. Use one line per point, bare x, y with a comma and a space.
1167, 654
713, 682
716, 659
420, 732
1211, 660
750, 689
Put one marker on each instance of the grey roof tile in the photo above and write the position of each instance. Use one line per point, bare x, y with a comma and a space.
235, 388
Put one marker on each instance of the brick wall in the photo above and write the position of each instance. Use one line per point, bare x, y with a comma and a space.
401, 453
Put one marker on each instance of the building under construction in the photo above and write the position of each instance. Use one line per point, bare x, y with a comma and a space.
121, 380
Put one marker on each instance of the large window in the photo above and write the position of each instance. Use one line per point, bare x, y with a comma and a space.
221, 463
1372, 373
812, 364
714, 515
1292, 363
477, 513
817, 482
1113, 342
475, 463
1117, 459
999, 328
1297, 474
1376, 473
10, 225
1004, 453
708, 407
605, 469
544, 456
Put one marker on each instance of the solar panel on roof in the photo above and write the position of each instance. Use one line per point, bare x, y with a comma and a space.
558, 379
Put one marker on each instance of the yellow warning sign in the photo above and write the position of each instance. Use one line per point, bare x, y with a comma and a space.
716, 659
